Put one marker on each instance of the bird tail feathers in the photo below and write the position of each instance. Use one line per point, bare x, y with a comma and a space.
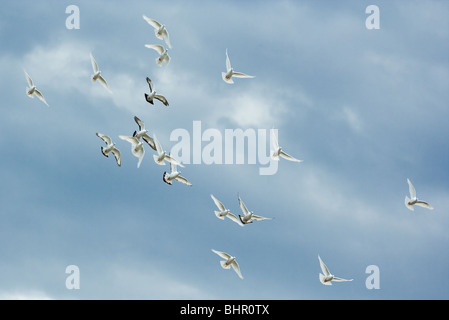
224, 265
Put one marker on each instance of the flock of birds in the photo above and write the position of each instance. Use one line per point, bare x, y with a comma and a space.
138, 150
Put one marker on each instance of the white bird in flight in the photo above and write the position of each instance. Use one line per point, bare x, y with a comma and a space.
162, 155
248, 216
163, 54
159, 30
143, 133
97, 73
153, 95
228, 262
110, 147
174, 175
230, 73
224, 212
32, 90
326, 277
410, 202
136, 147
277, 151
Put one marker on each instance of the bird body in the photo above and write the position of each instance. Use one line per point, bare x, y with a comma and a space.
229, 262
230, 73
32, 91
413, 200
110, 147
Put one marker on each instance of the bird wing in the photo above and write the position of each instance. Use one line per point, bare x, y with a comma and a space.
324, 268
228, 62
234, 218
243, 207
150, 84
158, 48
140, 123
218, 203
152, 22
223, 255
166, 37
424, 204
183, 180
274, 140
336, 279
103, 82
30, 82
149, 140
132, 140
259, 218
288, 157
411, 189
236, 268
94, 63
161, 99
172, 160
157, 144
241, 75
40, 96
117, 155
104, 137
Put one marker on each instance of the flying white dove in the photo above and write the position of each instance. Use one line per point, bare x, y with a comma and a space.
163, 54
174, 175
136, 147
228, 262
143, 133
248, 216
97, 73
409, 202
159, 30
224, 212
326, 277
277, 151
227, 76
32, 90
153, 95
162, 155
110, 147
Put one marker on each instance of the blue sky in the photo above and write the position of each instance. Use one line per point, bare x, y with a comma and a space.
365, 110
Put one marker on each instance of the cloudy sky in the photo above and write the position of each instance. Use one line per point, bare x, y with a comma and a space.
364, 109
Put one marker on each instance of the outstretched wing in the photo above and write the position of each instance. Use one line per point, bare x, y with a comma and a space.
40, 96
104, 137
228, 62
236, 268
222, 254
30, 82
288, 157
234, 218
324, 268
150, 84
336, 279
411, 189
243, 207
424, 204
161, 99
259, 218
241, 75
152, 22
117, 156
219, 205
158, 48
183, 180
139, 122
94, 63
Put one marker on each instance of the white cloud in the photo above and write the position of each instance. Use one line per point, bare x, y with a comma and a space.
24, 295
